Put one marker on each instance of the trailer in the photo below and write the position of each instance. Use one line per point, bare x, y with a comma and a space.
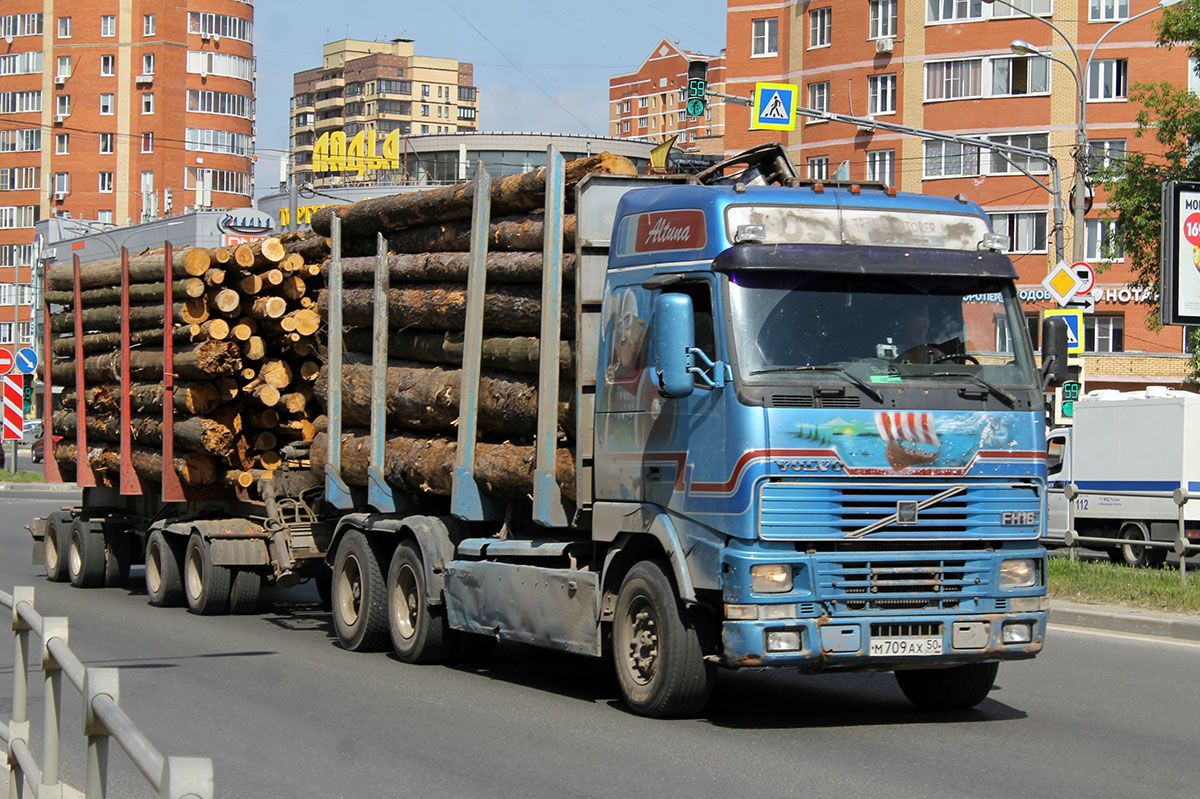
804, 431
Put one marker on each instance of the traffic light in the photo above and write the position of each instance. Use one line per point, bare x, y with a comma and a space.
27, 394
697, 94
1070, 395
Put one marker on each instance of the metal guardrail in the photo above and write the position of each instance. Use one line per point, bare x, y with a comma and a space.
1180, 546
103, 719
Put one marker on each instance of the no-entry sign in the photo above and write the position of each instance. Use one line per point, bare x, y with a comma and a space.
6, 360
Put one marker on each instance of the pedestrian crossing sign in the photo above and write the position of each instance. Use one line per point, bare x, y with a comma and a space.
774, 106
1074, 319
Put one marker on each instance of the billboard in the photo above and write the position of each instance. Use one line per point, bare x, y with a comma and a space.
1180, 253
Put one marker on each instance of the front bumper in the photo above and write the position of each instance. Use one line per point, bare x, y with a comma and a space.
843, 643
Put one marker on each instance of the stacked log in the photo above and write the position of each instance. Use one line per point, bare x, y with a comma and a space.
428, 237
246, 338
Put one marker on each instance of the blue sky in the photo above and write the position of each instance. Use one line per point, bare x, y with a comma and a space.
540, 65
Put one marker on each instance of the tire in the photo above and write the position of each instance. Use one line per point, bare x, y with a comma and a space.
1139, 556
205, 584
243, 591
657, 647
164, 569
955, 688
419, 630
85, 555
55, 547
359, 595
118, 557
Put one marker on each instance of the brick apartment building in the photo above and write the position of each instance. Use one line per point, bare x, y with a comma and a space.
385, 87
116, 112
947, 65
649, 103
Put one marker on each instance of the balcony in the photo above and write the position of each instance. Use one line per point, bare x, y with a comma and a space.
330, 123
327, 84
329, 102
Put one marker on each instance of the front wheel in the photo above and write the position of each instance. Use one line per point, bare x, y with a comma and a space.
1136, 555
657, 647
419, 630
955, 688
55, 547
359, 595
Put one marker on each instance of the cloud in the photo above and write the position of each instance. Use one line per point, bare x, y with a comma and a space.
503, 108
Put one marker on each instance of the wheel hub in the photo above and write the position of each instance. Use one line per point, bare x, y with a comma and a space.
643, 645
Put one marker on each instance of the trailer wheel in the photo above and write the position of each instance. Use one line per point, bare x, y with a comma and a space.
55, 547
419, 630
243, 592
118, 556
1140, 556
955, 688
85, 555
657, 647
205, 584
164, 567
359, 595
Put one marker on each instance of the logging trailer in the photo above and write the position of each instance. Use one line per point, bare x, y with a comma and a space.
808, 435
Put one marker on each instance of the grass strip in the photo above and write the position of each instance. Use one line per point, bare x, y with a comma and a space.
20, 476
1096, 582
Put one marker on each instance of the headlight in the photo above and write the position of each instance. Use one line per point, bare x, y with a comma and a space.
1020, 632
1018, 573
771, 578
783, 641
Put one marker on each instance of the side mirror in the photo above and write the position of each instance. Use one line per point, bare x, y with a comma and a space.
674, 337
1054, 351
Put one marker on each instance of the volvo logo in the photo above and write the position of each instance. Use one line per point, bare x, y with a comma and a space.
906, 511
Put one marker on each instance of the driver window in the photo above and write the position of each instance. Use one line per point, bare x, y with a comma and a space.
1054, 455
702, 315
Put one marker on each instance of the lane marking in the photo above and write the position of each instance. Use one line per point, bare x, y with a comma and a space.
1133, 637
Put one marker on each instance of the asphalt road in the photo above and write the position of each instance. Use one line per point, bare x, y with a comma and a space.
284, 712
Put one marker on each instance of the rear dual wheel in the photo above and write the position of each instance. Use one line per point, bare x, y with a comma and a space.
359, 594
55, 546
206, 585
85, 555
164, 569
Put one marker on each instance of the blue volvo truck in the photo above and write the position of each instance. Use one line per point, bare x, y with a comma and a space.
809, 436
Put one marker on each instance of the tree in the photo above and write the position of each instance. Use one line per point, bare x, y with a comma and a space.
1170, 115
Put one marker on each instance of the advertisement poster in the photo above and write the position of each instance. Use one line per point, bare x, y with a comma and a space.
1187, 299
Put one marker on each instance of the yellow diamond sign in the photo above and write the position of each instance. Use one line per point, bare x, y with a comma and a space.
1062, 283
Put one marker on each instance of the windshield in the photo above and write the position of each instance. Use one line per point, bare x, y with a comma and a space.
878, 329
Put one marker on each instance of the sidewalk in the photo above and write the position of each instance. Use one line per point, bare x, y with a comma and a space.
1121, 619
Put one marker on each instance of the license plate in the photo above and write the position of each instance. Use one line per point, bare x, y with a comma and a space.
894, 647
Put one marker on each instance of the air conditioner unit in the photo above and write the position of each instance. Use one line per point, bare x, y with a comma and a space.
885, 45
60, 195
216, 37
143, 80
204, 37
864, 128
60, 80
8, 38
60, 118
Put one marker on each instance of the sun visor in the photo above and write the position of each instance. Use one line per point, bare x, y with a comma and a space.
854, 259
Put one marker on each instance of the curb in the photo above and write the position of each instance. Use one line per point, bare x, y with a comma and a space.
49, 488
1179, 629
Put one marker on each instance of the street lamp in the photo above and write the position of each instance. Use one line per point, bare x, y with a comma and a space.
1080, 74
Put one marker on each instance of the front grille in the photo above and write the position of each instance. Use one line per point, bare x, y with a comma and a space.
914, 583
809, 401
920, 629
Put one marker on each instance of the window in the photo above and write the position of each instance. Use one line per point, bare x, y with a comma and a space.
105, 183
106, 216
106, 105
206, 63
1106, 154
62, 182
108, 66
882, 19
951, 80
220, 141
64, 67
1036, 7
108, 25
147, 142
1002, 163
950, 159
25, 329
62, 143
106, 143
820, 27
148, 63
818, 98
953, 10
28, 24
64, 27
1026, 231
1102, 242
211, 25
818, 167
1011, 76
18, 178
643, 122
424, 89
27, 63
25, 294
424, 129
148, 102
62, 105
468, 94
20, 102
149, 27
424, 109
6, 328
28, 140
881, 166
1107, 79
764, 37
1107, 10
625, 126
1104, 333
625, 107
881, 94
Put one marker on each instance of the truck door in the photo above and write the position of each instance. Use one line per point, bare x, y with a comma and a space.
1058, 474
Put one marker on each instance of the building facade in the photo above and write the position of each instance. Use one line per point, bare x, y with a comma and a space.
650, 104
948, 65
117, 112
382, 90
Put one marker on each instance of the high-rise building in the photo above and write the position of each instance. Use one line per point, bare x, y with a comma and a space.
950, 66
349, 113
651, 103
115, 113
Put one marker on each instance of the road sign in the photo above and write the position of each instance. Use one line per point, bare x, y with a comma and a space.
1083, 302
14, 417
6, 360
27, 360
1062, 283
1086, 275
774, 106
1074, 319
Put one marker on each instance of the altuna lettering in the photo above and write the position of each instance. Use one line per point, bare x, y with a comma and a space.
665, 233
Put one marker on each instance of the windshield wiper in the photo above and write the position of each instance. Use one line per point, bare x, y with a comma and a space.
868, 390
1008, 399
